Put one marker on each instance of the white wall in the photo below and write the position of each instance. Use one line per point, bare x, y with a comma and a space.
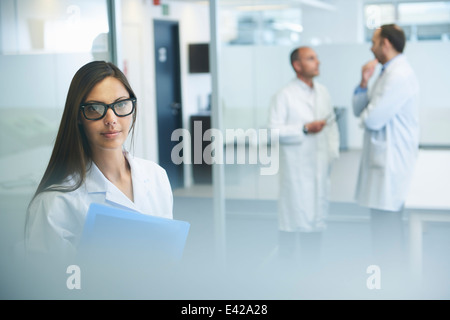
432, 64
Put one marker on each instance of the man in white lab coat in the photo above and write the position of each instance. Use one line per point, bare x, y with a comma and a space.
389, 114
309, 142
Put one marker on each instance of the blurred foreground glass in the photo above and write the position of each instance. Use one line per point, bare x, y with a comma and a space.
42, 44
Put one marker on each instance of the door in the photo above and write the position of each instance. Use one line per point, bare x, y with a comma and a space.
168, 95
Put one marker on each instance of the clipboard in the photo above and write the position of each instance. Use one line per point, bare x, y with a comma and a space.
113, 232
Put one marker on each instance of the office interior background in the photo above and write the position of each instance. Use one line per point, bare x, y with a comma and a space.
231, 207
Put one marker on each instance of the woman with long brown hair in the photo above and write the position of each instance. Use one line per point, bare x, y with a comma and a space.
90, 164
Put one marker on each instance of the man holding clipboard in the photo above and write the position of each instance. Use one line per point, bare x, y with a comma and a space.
309, 142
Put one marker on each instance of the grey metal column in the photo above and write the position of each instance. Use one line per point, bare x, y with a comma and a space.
218, 179
114, 37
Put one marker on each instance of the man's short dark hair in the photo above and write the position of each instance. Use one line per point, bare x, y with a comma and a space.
395, 35
294, 55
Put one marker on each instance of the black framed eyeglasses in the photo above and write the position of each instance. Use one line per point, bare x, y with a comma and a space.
97, 110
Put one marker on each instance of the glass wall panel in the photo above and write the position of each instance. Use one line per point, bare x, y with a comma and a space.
427, 29
256, 39
253, 64
428, 20
42, 44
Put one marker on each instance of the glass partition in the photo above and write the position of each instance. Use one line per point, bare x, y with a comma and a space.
421, 20
42, 44
256, 38
255, 41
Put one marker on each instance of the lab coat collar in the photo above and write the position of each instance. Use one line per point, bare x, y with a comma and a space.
304, 86
392, 61
140, 181
96, 182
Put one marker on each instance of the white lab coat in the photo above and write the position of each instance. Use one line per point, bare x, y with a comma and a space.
390, 117
56, 219
305, 160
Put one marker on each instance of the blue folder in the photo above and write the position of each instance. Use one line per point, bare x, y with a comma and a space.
117, 232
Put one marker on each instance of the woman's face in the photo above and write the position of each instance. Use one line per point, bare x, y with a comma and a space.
111, 131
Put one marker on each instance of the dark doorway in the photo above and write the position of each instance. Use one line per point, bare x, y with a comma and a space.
168, 95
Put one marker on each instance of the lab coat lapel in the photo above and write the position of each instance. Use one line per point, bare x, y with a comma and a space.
329, 144
320, 107
308, 104
114, 195
384, 74
321, 112
138, 183
96, 182
377, 85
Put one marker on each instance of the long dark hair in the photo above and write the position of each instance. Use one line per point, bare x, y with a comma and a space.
72, 156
